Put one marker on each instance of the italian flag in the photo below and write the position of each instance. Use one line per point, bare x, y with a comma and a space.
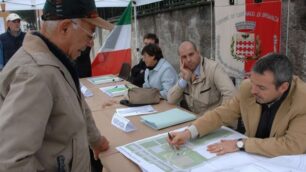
245, 31
117, 48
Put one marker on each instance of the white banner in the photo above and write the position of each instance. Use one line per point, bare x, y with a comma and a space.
246, 31
225, 19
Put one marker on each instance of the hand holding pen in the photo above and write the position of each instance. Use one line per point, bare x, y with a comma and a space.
170, 138
176, 139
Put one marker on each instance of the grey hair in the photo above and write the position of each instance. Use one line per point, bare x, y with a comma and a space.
75, 21
278, 64
50, 25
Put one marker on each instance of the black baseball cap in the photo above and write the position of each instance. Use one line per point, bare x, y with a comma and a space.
73, 9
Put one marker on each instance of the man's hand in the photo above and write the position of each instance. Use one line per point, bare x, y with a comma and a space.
223, 147
101, 146
186, 73
179, 138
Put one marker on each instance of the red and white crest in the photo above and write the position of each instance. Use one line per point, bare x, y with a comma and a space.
245, 44
244, 41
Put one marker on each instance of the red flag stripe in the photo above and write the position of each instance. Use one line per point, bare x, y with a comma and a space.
110, 62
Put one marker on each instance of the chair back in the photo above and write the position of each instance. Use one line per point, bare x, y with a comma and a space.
125, 71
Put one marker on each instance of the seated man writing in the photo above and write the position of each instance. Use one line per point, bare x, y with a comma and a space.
271, 104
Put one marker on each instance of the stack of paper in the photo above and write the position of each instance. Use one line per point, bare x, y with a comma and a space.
113, 91
104, 79
167, 118
135, 110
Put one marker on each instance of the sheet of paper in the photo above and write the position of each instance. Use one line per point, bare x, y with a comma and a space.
244, 162
229, 162
297, 162
132, 111
153, 154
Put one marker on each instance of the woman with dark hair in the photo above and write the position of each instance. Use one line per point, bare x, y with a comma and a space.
159, 73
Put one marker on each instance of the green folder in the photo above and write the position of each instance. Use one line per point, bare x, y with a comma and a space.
167, 118
117, 89
104, 79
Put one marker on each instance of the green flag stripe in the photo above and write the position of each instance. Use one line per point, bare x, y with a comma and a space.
126, 16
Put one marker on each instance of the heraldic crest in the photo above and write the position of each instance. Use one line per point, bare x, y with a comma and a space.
245, 43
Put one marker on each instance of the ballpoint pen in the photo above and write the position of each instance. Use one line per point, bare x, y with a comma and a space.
172, 146
171, 138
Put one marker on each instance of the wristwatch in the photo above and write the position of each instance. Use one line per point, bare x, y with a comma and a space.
240, 144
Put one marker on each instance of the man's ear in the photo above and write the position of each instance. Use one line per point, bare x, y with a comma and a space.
64, 26
283, 87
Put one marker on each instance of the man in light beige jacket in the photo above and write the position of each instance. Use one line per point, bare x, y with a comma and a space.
203, 84
45, 123
272, 107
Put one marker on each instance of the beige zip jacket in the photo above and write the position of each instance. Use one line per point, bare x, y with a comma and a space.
42, 115
288, 132
206, 92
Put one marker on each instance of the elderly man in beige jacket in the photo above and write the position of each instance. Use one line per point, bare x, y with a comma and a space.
203, 84
45, 123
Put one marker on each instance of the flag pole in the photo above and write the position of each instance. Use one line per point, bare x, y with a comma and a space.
136, 30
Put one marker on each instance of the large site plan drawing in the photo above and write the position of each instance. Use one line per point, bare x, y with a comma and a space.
155, 154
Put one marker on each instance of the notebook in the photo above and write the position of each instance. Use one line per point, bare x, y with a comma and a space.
104, 79
117, 90
167, 118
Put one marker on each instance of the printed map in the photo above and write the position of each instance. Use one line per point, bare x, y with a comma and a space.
156, 151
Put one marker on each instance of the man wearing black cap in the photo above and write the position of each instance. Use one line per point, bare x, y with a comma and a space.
45, 123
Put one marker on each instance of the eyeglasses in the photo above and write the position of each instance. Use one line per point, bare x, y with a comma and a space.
91, 36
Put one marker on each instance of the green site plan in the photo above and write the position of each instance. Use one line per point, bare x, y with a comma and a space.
156, 150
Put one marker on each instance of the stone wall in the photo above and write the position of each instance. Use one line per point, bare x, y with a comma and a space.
176, 26
197, 24
294, 35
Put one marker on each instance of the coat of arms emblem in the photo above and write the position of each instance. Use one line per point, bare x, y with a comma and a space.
245, 43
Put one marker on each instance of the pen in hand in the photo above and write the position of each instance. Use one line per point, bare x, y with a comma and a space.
172, 146
171, 138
